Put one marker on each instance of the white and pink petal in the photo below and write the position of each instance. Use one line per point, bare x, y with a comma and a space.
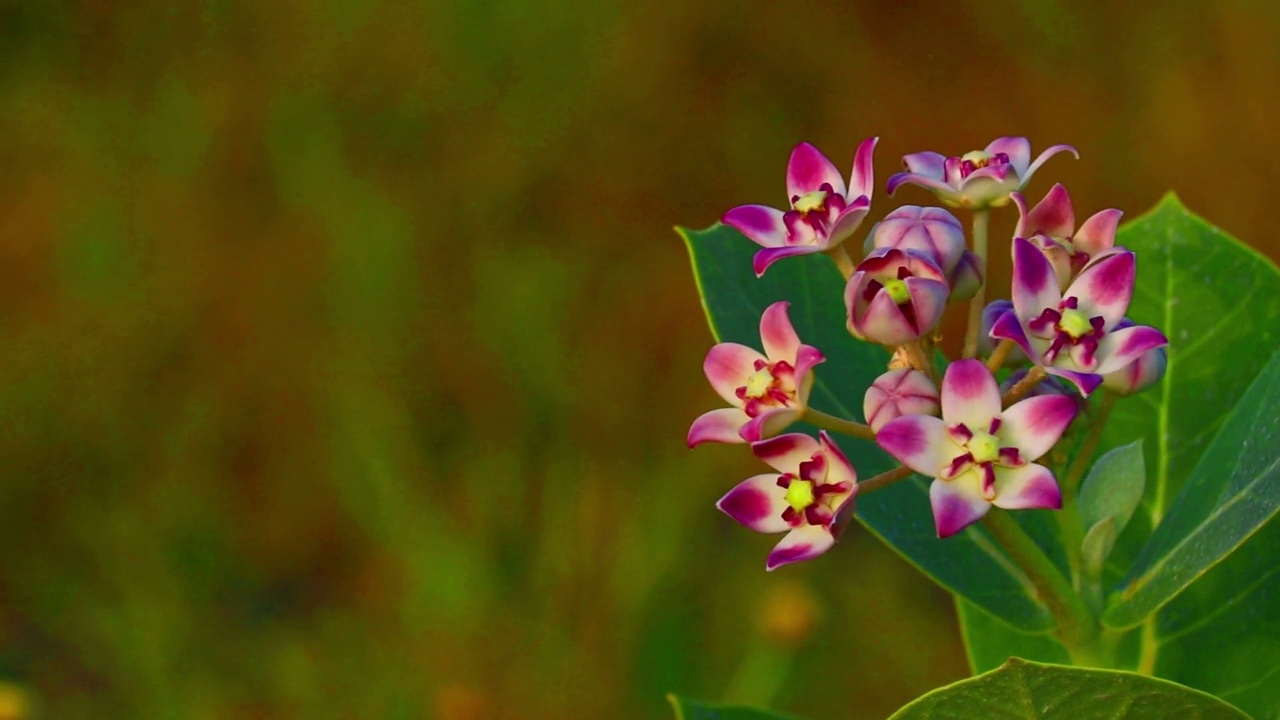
1035, 284
723, 425
802, 543
1035, 425
757, 503
1104, 288
970, 395
1028, 487
920, 442
727, 366
808, 169
957, 504
1121, 347
784, 453
761, 224
777, 334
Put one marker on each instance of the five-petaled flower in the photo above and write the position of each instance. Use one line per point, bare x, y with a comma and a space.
768, 392
811, 499
895, 296
1051, 226
979, 179
823, 210
978, 454
1075, 334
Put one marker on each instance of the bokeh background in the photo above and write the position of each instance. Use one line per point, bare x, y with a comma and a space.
348, 351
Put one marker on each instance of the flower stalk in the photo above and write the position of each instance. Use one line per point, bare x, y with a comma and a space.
981, 221
836, 424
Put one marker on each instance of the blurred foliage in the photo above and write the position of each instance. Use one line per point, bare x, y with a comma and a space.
349, 352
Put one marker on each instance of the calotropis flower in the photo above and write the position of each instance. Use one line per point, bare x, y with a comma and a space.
1051, 226
768, 392
823, 210
978, 454
895, 296
811, 500
979, 179
1074, 334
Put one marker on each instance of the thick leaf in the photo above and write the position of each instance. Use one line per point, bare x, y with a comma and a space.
1023, 690
687, 709
1113, 487
1218, 301
969, 564
989, 642
1222, 635
1234, 490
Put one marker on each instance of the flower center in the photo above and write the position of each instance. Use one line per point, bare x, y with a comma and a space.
982, 453
810, 201
759, 382
809, 497
978, 159
984, 447
1075, 323
898, 291
799, 495
769, 386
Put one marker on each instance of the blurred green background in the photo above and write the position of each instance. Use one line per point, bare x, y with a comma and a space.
348, 351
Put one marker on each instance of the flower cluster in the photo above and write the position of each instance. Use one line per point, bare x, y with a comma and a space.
1062, 334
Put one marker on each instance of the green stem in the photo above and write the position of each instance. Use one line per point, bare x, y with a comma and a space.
981, 219
1069, 522
884, 480
842, 260
1077, 627
840, 425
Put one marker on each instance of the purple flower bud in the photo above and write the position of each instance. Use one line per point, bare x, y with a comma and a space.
930, 231
895, 296
1142, 373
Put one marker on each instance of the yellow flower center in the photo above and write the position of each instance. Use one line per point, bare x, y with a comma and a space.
808, 202
799, 494
1075, 323
979, 158
984, 447
759, 382
898, 290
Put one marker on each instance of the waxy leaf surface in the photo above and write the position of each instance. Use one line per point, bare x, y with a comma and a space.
1023, 690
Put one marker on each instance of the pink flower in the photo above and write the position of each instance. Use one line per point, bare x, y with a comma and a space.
823, 210
899, 392
1075, 334
1051, 226
768, 392
811, 500
979, 179
895, 296
978, 454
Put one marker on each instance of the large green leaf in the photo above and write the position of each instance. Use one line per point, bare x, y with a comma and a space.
1218, 301
1023, 690
686, 709
970, 564
1222, 635
1234, 490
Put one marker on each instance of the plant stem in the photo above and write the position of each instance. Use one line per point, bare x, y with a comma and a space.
999, 354
1024, 386
840, 425
1069, 522
842, 260
884, 479
919, 360
1077, 627
981, 219
1080, 463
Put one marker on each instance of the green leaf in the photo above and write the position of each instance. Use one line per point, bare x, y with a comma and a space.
1234, 490
1096, 546
1222, 634
1218, 301
1113, 488
686, 709
1024, 690
970, 564
989, 642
